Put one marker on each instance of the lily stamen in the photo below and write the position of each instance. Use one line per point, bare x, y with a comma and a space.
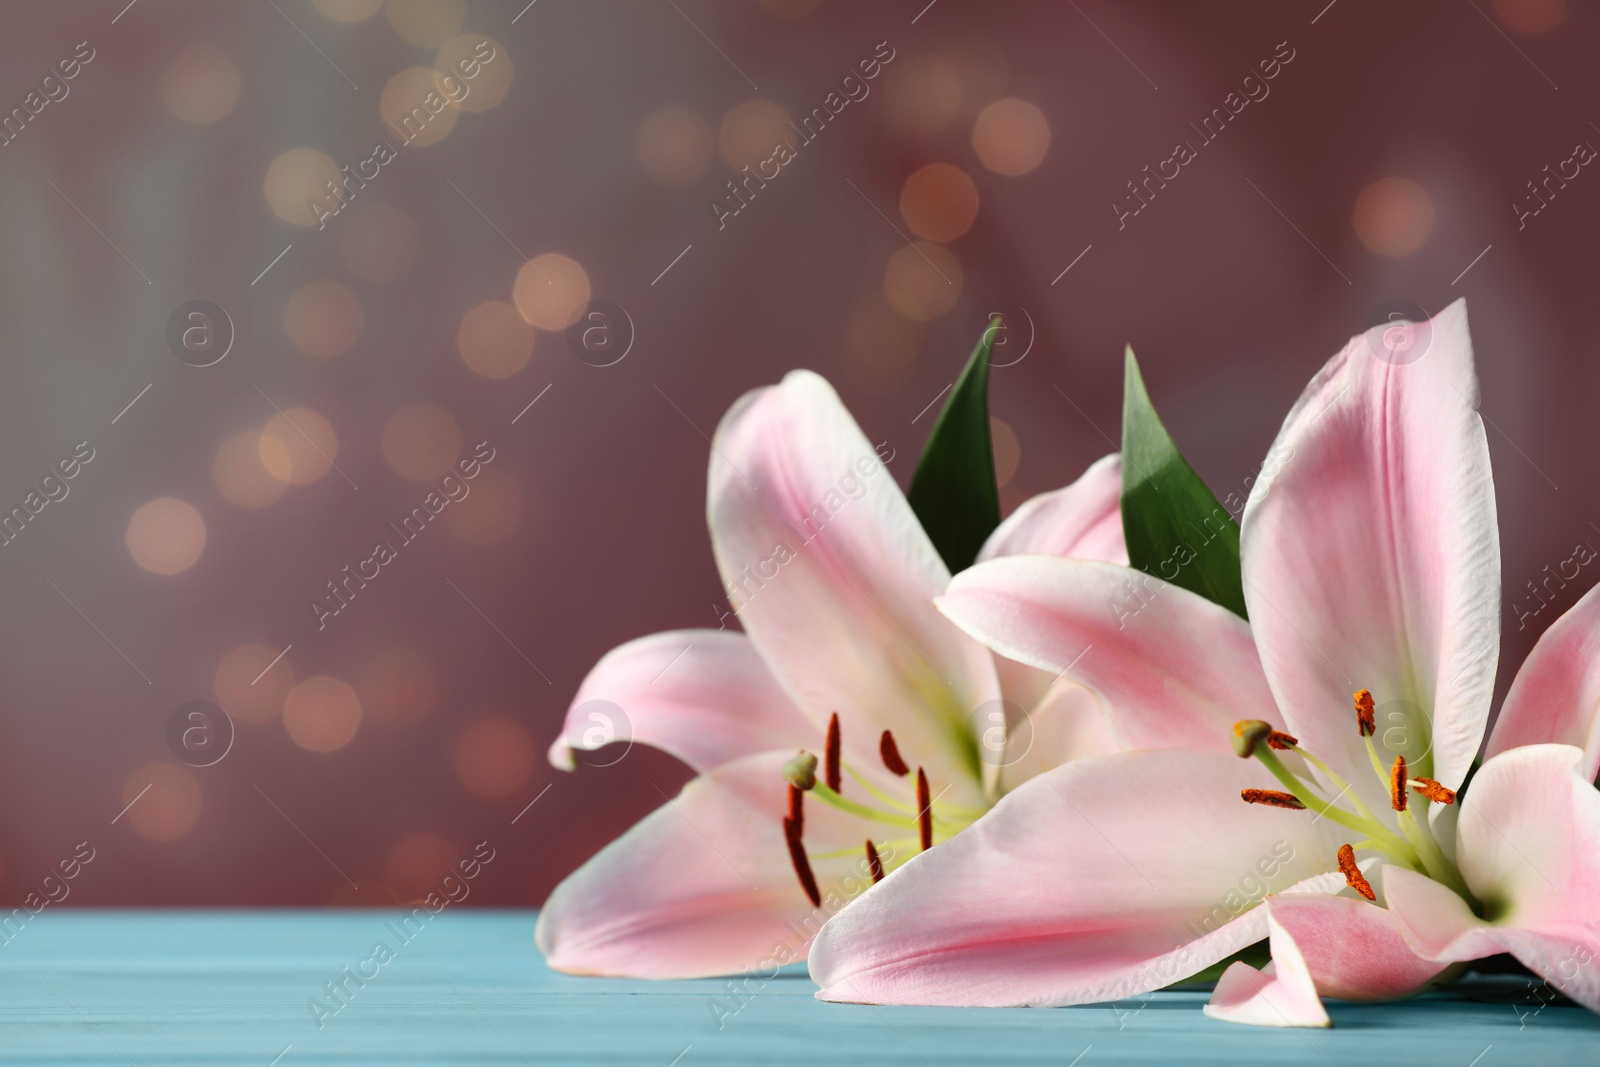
891, 755
1352, 874
1398, 798
1248, 738
1433, 790
1366, 720
1272, 798
924, 811
830, 753
1282, 741
797, 811
874, 864
802, 865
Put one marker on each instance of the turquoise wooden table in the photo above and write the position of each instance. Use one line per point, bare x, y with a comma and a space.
252, 988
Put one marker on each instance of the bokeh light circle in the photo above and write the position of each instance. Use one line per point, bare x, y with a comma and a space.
201, 85
494, 340
421, 442
165, 801
939, 202
551, 291
495, 757
166, 536
298, 446
241, 477
1393, 216
1011, 137
322, 714
751, 131
922, 281
415, 110
297, 178
465, 76
245, 686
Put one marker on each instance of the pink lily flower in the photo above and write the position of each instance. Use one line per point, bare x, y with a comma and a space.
842, 654
1371, 565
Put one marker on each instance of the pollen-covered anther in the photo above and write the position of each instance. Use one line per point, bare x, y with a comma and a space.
802, 865
830, 765
1366, 720
1398, 797
1281, 741
1352, 874
891, 755
924, 811
1433, 790
1248, 735
1274, 798
874, 862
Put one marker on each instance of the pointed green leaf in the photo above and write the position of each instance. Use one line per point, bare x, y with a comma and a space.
1175, 528
954, 493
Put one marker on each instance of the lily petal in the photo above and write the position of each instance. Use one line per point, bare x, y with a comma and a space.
1371, 555
1059, 721
833, 579
1082, 520
1280, 994
1102, 879
705, 696
1528, 846
1555, 698
1322, 946
1173, 668
702, 886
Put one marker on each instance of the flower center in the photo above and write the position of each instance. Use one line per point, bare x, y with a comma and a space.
1409, 842
801, 774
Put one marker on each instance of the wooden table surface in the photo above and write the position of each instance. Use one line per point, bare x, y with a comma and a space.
234, 987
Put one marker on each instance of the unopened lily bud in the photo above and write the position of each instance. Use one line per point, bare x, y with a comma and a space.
1248, 734
801, 772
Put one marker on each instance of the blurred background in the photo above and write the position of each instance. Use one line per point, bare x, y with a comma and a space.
272, 271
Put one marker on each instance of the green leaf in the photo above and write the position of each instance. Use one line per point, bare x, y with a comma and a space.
1175, 528
954, 493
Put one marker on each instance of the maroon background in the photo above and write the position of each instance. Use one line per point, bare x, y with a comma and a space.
1230, 309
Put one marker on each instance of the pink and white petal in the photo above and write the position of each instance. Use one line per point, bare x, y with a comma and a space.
1555, 698
1528, 845
1082, 520
1528, 837
1060, 721
1280, 994
1371, 554
1105, 878
705, 696
833, 579
701, 886
1322, 946
1174, 669
1353, 950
